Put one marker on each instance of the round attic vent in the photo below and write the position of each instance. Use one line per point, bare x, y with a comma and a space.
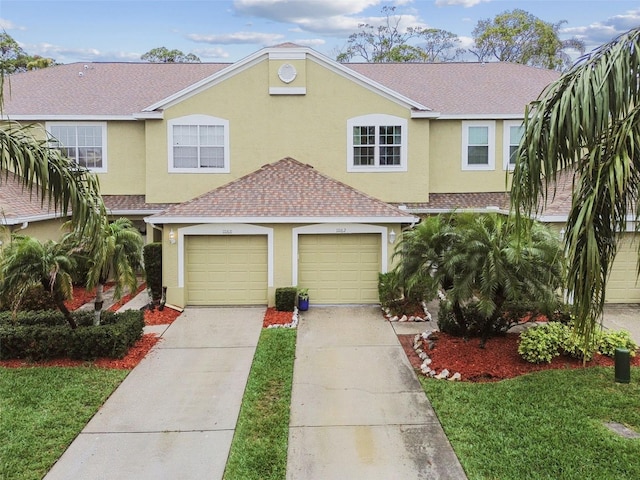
287, 73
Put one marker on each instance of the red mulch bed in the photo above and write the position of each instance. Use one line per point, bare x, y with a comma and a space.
276, 317
497, 361
157, 317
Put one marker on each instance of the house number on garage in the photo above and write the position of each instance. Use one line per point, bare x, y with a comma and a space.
341, 230
227, 232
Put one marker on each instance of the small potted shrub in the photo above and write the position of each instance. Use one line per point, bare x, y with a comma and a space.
303, 299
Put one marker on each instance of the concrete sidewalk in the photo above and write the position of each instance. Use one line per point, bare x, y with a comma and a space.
623, 317
357, 408
174, 415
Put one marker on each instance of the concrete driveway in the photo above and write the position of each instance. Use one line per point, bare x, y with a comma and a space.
357, 408
174, 415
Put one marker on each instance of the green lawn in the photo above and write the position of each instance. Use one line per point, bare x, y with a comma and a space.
546, 425
259, 447
42, 410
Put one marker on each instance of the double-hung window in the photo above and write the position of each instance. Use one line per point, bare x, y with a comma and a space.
198, 143
478, 145
84, 143
376, 143
513, 131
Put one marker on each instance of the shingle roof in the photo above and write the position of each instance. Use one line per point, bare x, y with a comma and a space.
286, 189
462, 201
127, 88
125, 204
18, 204
102, 89
462, 88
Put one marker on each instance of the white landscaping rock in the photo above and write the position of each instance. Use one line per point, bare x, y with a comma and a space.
456, 377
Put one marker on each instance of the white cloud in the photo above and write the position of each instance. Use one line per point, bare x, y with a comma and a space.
64, 55
207, 54
293, 11
9, 25
310, 42
598, 33
464, 3
237, 38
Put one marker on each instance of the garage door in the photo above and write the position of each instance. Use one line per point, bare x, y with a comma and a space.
339, 268
622, 286
226, 270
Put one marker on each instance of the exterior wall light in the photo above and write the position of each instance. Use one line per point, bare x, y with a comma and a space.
392, 236
172, 236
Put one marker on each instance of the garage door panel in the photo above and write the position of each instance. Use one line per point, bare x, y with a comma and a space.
622, 286
226, 270
340, 268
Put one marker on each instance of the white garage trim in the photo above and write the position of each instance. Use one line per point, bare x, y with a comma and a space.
225, 229
337, 229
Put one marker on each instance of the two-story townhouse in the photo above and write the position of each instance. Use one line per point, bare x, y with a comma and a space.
285, 168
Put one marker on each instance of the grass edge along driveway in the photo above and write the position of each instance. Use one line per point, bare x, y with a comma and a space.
42, 409
545, 425
260, 442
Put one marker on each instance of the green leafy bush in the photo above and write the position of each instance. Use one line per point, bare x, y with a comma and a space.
43, 335
611, 340
396, 297
152, 254
470, 322
36, 298
286, 298
542, 343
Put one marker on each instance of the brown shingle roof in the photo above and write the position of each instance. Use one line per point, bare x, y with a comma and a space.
463, 88
462, 201
128, 88
125, 204
286, 189
18, 204
102, 89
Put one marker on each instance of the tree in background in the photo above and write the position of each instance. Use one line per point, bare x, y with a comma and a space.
387, 43
587, 124
164, 55
520, 37
14, 59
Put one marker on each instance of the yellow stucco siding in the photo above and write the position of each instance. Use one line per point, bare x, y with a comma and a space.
125, 159
446, 174
311, 128
43, 230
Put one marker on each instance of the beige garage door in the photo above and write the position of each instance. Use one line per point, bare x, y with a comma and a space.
226, 270
339, 268
622, 286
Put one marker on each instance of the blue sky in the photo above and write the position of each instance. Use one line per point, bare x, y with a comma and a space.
228, 30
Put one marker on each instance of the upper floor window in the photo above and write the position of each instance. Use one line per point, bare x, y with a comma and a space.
513, 131
376, 143
84, 143
199, 143
478, 145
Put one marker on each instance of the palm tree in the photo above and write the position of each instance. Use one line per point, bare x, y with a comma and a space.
117, 257
484, 266
27, 262
587, 124
71, 189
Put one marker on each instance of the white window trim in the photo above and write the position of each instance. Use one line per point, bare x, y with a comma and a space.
506, 141
198, 120
492, 145
377, 120
103, 125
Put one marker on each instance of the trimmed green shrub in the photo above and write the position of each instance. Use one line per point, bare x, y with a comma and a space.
152, 254
36, 299
611, 340
40, 336
286, 298
542, 343
46, 318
